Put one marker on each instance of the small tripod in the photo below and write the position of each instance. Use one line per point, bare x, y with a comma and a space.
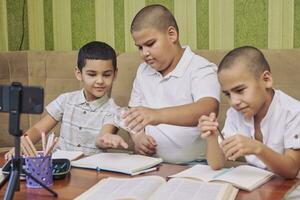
17, 161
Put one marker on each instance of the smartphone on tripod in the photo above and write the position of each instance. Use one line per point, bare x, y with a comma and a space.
16, 99
32, 99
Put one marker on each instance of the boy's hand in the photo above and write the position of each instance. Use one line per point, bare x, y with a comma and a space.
238, 145
109, 140
9, 154
208, 125
144, 144
139, 117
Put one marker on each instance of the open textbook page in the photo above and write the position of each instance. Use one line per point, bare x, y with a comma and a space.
70, 155
181, 188
1, 175
245, 177
131, 164
156, 188
139, 188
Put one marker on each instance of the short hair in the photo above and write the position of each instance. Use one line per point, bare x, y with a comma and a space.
96, 50
252, 57
153, 16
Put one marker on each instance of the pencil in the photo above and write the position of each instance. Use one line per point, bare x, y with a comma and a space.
220, 133
44, 142
27, 147
24, 150
31, 145
49, 142
49, 150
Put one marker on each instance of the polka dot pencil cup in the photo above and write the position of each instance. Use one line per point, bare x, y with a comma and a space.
40, 168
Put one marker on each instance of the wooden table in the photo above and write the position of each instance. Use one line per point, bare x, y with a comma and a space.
81, 179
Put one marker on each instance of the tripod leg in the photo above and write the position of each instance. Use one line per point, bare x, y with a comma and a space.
6, 178
42, 184
13, 182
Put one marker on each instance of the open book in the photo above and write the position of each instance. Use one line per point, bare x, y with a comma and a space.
71, 155
131, 164
244, 176
1, 175
156, 188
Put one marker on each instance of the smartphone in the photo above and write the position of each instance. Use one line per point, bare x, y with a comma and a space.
31, 98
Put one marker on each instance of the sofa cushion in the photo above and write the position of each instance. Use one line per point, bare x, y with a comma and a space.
127, 66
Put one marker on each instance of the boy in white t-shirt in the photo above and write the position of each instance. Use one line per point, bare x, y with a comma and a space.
262, 124
172, 89
86, 115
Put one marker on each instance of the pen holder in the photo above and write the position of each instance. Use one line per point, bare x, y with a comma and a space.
40, 168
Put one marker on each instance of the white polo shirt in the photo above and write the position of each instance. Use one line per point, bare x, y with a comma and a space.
193, 78
280, 127
81, 121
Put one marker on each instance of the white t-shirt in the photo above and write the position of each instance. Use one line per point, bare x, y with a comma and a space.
193, 78
280, 127
81, 121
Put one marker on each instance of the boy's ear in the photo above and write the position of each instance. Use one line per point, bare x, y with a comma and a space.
172, 33
267, 78
78, 74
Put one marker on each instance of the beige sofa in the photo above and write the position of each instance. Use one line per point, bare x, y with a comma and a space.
54, 71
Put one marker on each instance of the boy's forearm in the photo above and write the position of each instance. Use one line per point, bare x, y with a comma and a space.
34, 134
188, 115
214, 153
45, 124
282, 165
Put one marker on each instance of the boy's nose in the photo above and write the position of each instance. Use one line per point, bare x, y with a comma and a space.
234, 100
99, 80
146, 52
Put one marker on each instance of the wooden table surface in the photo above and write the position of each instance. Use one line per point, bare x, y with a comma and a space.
79, 180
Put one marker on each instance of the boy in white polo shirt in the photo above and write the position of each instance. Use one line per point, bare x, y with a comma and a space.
172, 89
262, 124
86, 115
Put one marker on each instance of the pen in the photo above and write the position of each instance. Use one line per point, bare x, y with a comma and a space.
54, 168
220, 133
63, 166
144, 171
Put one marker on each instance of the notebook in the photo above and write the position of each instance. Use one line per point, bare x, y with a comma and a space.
245, 177
70, 155
131, 164
156, 188
1, 175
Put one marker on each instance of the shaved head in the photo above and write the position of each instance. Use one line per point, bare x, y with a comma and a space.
249, 56
153, 16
